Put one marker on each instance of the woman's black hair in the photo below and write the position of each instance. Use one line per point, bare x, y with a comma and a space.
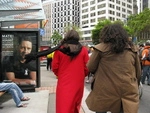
116, 35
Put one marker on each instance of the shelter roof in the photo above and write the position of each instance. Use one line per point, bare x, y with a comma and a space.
13, 12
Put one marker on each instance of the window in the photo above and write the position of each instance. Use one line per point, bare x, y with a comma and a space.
129, 12
118, 1
92, 20
111, 12
112, 19
129, 1
111, 6
85, 10
92, 14
92, 2
101, 12
100, 1
85, 22
118, 8
84, 5
101, 6
85, 16
123, 10
129, 6
123, 15
123, 4
92, 8
118, 14
111, 0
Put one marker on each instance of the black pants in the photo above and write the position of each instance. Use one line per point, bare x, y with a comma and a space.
49, 61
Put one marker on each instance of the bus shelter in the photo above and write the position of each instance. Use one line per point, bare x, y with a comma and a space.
16, 12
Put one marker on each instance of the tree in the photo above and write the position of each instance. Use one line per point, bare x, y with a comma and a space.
140, 22
97, 29
102, 24
56, 38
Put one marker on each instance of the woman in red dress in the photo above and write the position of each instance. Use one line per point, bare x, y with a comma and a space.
69, 65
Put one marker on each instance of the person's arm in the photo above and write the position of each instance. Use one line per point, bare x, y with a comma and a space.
33, 77
144, 54
93, 62
33, 56
138, 68
11, 76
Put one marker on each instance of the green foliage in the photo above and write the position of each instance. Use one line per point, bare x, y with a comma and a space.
97, 29
129, 30
139, 22
56, 38
136, 24
102, 24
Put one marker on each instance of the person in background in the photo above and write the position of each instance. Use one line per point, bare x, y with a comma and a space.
141, 48
15, 92
49, 61
116, 67
90, 74
17, 70
69, 64
146, 63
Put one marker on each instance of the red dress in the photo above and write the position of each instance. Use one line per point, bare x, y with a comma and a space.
70, 85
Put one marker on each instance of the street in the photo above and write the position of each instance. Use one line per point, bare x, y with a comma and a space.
145, 100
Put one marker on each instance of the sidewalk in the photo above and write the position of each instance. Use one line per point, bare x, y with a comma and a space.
43, 100
37, 103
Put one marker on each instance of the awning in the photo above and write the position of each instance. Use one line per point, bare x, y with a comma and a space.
14, 12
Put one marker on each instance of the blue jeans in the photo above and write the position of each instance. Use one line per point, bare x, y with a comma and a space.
146, 73
14, 90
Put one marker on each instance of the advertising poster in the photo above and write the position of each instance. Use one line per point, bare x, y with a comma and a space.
14, 46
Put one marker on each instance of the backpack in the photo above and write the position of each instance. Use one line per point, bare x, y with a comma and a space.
148, 57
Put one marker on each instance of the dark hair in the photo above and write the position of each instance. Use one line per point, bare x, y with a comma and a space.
116, 35
72, 35
72, 45
24, 38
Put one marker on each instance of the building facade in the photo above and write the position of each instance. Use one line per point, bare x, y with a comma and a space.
46, 24
146, 4
85, 14
65, 13
93, 11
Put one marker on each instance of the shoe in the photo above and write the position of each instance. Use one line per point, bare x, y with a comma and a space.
25, 99
87, 81
148, 84
22, 105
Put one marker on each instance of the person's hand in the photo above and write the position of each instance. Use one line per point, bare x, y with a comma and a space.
30, 57
33, 82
